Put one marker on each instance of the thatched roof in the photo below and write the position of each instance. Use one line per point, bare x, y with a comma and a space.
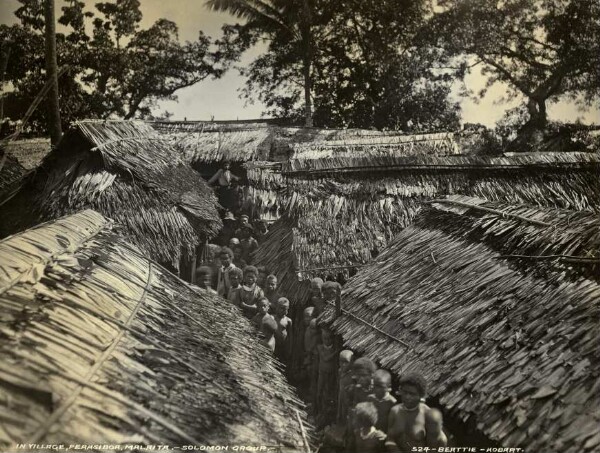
513, 352
100, 345
214, 142
533, 238
338, 218
126, 171
265, 141
559, 160
325, 144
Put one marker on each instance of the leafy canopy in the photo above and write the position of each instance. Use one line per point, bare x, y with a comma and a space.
114, 68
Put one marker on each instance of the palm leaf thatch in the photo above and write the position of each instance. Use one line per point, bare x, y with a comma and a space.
361, 143
562, 180
205, 142
514, 353
99, 345
126, 171
552, 239
215, 142
337, 219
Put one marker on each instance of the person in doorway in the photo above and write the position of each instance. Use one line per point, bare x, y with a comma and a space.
223, 275
248, 295
223, 176
367, 438
381, 398
204, 278
412, 423
226, 192
228, 230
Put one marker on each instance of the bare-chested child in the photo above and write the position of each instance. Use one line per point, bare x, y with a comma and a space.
235, 282
367, 438
326, 381
311, 340
330, 293
271, 292
284, 326
269, 329
344, 383
381, 397
204, 278
247, 296
362, 380
262, 311
412, 423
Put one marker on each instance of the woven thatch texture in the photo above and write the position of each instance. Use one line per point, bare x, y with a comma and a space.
100, 345
567, 180
515, 353
330, 237
387, 163
373, 144
128, 173
552, 239
211, 142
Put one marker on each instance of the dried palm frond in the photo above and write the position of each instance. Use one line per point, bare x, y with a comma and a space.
126, 171
512, 349
100, 345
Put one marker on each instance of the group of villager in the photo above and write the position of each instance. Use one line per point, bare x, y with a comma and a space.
351, 400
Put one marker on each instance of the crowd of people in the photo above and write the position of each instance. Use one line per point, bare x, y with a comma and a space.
350, 400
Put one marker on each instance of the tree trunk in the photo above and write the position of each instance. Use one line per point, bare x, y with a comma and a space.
5, 55
531, 133
306, 64
308, 120
54, 125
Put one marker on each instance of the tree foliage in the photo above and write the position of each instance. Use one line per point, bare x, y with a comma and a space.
114, 68
545, 50
368, 67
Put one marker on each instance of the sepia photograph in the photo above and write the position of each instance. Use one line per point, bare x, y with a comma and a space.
300, 226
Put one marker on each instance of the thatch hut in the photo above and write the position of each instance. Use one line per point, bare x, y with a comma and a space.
126, 171
492, 305
100, 345
341, 211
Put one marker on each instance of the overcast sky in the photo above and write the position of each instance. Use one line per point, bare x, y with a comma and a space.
220, 98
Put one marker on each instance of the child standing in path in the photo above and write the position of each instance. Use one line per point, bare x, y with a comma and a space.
248, 295
262, 308
204, 278
271, 292
381, 398
367, 438
236, 277
223, 275
284, 325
